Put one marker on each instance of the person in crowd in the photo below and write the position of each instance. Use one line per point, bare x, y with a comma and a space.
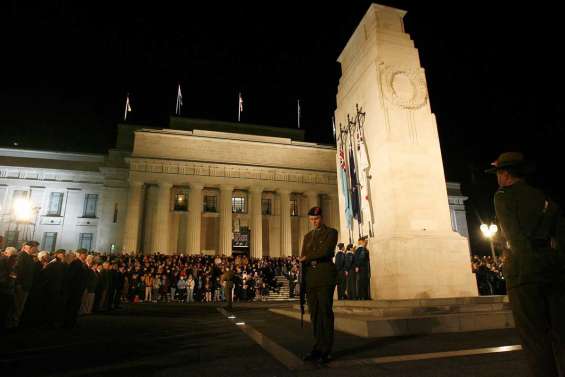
362, 270
190, 289
76, 277
7, 285
156, 287
91, 282
340, 267
25, 269
148, 283
181, 288
350, 274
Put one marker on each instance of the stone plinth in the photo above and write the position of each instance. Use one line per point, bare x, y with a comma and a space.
383, 318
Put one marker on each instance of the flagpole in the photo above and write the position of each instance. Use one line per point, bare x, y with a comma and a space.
239, 107
298, 112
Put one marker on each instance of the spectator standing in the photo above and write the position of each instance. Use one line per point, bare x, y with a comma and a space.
24, 281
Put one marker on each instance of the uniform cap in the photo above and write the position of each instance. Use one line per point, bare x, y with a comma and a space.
315, 211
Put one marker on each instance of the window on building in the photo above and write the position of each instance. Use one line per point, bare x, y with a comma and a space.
294, 207
115, 213
49, 241
55, 204
266, 208
90, 202
210, 203
12, 237
238, 203
85, 241
181, 201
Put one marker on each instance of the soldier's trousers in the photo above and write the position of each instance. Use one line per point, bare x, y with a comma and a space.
363, 283
352, 285
539, 316
341, 285
229, 295
320, 305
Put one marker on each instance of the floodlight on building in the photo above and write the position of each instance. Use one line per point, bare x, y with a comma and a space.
23, 210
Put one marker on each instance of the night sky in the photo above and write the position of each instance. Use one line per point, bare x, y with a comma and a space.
494, 74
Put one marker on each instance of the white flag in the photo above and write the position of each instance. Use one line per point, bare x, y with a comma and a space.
179, 101
240, 108
364, 180
128, 107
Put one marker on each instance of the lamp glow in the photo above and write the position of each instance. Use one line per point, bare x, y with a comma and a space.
22, 210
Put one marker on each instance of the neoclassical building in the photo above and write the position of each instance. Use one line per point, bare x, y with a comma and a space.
196, 186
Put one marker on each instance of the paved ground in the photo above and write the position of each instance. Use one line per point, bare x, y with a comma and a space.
199, 340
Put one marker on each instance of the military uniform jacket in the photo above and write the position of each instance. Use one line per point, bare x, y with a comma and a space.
320, 244
526, 218
361, 257
228, 277
340, 261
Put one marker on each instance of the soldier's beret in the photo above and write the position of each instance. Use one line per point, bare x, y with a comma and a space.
315, 211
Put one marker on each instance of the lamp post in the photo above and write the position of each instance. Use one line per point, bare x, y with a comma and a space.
489, 231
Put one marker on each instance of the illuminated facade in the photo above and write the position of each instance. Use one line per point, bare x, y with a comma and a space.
198, 186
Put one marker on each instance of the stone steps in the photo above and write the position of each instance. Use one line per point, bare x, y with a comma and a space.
416, 317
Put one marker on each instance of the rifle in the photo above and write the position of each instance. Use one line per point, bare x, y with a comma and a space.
302, 292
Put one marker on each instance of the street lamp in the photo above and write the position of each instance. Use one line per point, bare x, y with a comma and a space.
489, 231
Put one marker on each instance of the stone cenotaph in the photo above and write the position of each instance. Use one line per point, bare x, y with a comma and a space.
414, 253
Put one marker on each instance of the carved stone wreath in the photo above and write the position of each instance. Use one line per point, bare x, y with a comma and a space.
403, 87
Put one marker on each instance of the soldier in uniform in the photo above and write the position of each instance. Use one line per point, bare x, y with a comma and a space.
534, 270
227, 278
320, 277
340, 267
361, 263
350, 275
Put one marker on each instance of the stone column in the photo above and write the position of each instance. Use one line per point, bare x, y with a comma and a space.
194, 218
133, 218
256, 222
286, 240
226, 232
161, 219
312, 200
332, 218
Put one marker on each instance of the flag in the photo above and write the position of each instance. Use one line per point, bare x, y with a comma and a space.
240, 108
364, 176
354, 186
179, 101
128, 107
342, 171
298, 110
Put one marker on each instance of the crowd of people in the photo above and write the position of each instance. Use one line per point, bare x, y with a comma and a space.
490, 279
44, 289
38, 288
